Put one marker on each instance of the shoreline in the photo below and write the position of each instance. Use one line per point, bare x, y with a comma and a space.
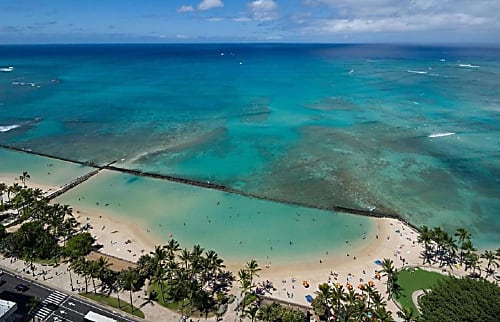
395, 241
128, 239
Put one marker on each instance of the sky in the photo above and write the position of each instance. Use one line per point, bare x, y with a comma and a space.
201, 21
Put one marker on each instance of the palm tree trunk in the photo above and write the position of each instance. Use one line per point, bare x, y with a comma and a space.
86, 284
70, 280
93, 283
162, 293
131, 306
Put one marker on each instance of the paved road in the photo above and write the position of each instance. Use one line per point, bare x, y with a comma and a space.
53, 305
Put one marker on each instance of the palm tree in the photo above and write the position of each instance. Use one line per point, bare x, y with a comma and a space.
23, 178
466, 249
338, 295
252, 311
438, 236
116, 287
491, 260
159, 278
171, 270
93, 270
245, 286
69, 229
425, 237
159, 255
390, 272
324, 296
70, 277
382, 315
14, 189
472, 261
451, 248
407, 314
172, 247
196, 259
129, 280
104, 273
252, 268
350, 306
462, 234
80, 266
268, 313
3, 188
32, 303
185, 257
377, 299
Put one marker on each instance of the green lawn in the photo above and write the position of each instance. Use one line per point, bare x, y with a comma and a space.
113, 302
415, 279
182, 306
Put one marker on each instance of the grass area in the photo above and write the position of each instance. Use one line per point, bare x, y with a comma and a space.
412, 280
180, 306
113, 302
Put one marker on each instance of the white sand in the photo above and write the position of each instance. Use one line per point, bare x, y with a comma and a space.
11, 178
395, 240
112, 232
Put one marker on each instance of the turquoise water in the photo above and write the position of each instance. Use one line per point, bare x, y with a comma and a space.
344, 125
236, 227
40, 169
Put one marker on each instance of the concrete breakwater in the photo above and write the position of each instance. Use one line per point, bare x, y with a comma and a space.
201, 184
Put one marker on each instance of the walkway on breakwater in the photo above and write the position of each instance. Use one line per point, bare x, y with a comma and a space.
73, 183
206, 185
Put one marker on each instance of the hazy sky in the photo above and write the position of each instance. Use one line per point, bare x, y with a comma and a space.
415, 21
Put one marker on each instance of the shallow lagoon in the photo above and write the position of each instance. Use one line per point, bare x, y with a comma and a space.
237, 227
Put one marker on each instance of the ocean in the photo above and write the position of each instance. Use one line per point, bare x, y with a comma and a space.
408, 130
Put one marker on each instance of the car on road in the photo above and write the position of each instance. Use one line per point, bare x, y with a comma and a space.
22, 287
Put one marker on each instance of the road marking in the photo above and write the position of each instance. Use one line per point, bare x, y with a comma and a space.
68, 296
112, 313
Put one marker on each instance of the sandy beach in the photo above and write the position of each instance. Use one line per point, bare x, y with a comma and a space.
12, 178
397, 241
126, 239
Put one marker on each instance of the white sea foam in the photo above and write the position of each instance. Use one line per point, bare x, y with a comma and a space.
6, 69
7, 128
438, 135
24, 84
468, 65
416, 71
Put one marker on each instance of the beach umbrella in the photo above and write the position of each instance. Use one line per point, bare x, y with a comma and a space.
309, 298
378, 262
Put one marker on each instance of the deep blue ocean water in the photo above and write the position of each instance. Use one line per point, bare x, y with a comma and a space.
412, 130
